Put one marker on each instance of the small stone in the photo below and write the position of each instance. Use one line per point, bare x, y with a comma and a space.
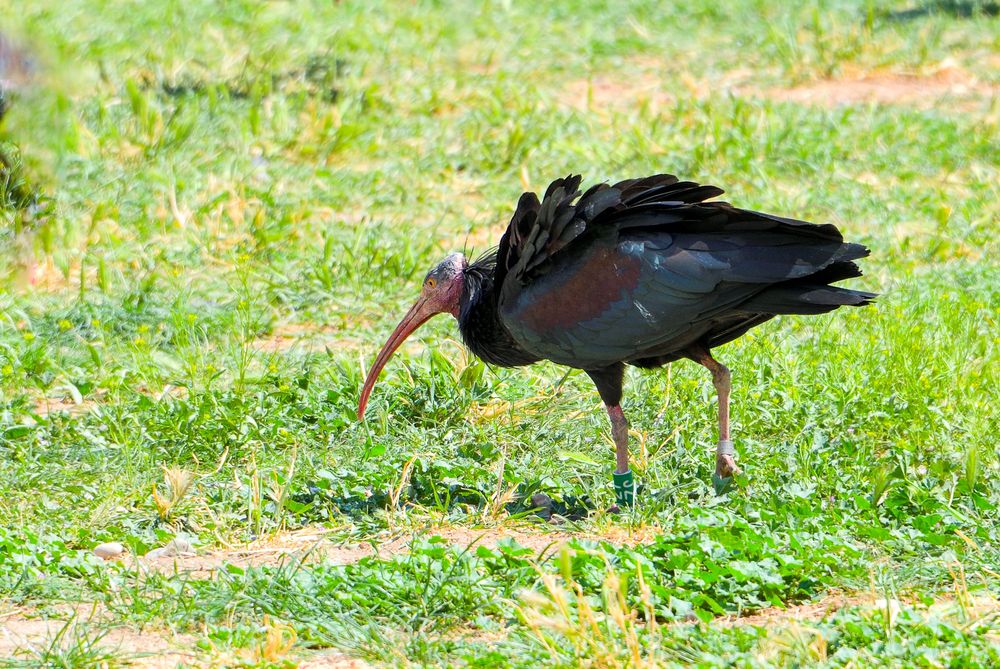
542, 504
174, 547
890, 607
181, 545
556, 519
109, 551
541, 501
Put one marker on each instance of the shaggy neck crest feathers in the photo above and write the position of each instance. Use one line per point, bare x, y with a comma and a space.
479, 317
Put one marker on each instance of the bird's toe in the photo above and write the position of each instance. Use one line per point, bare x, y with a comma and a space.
725, 465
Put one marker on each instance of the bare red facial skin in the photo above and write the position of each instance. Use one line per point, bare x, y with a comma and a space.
442, 293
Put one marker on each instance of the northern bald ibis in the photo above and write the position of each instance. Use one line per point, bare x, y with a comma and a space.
642, 272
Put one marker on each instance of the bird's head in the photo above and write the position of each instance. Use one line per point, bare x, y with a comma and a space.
441, 293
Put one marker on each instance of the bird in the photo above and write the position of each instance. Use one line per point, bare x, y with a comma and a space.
643, 272
17, 68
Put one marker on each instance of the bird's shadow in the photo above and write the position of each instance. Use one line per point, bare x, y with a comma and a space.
963, 9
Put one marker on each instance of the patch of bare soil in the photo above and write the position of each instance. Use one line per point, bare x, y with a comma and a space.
542, 543
969, 605
640, 82
601, 92
43, 406
309, 546
308, 337
159, 649
22, 636
810, 611
332, 661
949, 84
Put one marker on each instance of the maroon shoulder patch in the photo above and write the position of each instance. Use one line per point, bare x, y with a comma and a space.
582, 293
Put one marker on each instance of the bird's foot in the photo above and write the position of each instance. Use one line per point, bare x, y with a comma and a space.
725, 467
725, 460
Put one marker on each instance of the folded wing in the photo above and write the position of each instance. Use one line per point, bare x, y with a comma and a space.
640, 270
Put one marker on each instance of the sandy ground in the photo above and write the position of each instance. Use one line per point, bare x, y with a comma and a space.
310, 338
949, 84
310, 546
24, 633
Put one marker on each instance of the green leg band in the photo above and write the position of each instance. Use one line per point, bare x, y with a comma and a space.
624, 488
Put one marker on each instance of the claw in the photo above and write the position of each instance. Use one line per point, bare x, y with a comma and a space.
725, 469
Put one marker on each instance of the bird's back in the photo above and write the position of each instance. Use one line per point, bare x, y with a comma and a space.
641, 270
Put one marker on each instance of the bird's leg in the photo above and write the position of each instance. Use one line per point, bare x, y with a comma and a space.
725, 455
624, 482
609, 384
619, 432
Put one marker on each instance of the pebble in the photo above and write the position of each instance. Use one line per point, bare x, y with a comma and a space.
890, 607
542, 504
109, 550
541, 501
174, 547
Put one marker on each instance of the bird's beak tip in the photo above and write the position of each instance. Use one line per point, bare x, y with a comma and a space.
415, 317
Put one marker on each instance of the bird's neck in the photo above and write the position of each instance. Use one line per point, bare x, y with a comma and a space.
479, 322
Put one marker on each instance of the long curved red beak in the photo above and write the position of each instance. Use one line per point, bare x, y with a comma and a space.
418, 314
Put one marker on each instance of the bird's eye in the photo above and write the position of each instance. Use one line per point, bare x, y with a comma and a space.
431, 282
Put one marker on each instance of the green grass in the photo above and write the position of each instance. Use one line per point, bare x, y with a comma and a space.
189, 182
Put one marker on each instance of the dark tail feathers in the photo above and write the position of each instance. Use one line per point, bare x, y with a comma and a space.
813, 294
